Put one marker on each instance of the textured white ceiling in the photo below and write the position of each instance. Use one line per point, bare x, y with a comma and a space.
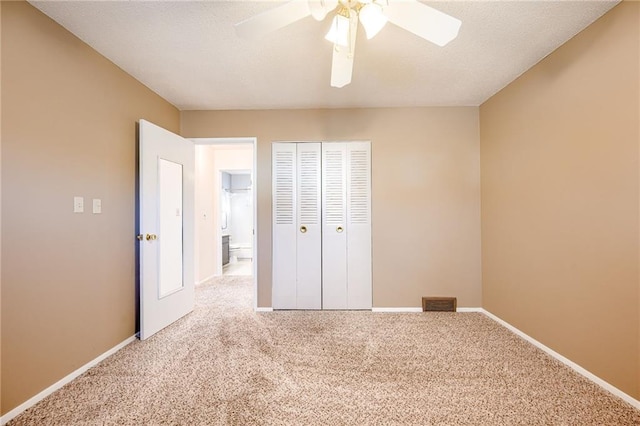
188, 52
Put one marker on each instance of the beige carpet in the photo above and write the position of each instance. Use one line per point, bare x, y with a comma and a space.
224, 364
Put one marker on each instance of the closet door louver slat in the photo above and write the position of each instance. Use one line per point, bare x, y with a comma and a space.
309, 187
284, 184
333, 180
359, 186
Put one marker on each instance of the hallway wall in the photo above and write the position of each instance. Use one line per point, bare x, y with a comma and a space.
210, 160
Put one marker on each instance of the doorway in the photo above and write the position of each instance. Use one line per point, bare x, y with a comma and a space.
219, 159
236, 221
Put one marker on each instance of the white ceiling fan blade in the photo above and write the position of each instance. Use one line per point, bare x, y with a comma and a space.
273, 19
422, 20
341, 66
342, 62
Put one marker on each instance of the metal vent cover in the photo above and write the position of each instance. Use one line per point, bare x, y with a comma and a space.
439, 304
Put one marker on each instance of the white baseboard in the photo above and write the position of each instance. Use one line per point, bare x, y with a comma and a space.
414, 309
470, 310
261, 309
390, 310
586, 373
60, 383
205, 279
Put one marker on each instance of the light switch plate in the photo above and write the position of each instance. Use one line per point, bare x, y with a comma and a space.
97, 205
78, 204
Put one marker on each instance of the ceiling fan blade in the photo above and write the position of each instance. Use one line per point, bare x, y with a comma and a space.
341, 66
273, 19
422, 20
342, 62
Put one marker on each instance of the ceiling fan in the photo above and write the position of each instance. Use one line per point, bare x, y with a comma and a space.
411, 15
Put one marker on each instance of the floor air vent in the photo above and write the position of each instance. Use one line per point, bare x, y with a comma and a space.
439, 304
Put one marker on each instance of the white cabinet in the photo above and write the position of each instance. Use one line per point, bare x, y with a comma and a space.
321, 225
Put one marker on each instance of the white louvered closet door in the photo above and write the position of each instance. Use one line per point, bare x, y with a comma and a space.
309, 235
358, 182
346, 232
321, 225
334, 226
284, 182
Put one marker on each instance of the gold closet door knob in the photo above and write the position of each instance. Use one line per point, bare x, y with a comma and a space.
151, 237
303, 229
339, 229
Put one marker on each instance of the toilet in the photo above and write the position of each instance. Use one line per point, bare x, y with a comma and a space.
240, 252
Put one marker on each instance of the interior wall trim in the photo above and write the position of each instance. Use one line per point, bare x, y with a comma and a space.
204, 280
391, 310
419, 309
584, 372
264, 309
60, 383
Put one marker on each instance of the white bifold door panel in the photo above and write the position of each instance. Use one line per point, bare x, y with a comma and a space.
346, 231
334, 226
321, 225
359, 290
166, 217
297, 239
309, 250
284, 181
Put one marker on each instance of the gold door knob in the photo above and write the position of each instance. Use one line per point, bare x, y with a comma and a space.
339, 229
303, 229
151, 237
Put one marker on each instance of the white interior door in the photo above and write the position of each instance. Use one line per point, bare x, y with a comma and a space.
167, 164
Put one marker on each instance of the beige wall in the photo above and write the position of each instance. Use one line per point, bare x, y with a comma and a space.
210, 161
425, 191
68, 280
205, 253
560, 200
0, 209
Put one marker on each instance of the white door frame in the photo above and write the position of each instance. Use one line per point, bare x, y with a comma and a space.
232, 141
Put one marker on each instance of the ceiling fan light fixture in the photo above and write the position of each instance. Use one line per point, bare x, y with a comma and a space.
339, 31
372, 18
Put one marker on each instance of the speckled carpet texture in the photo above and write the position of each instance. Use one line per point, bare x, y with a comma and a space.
223, 364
